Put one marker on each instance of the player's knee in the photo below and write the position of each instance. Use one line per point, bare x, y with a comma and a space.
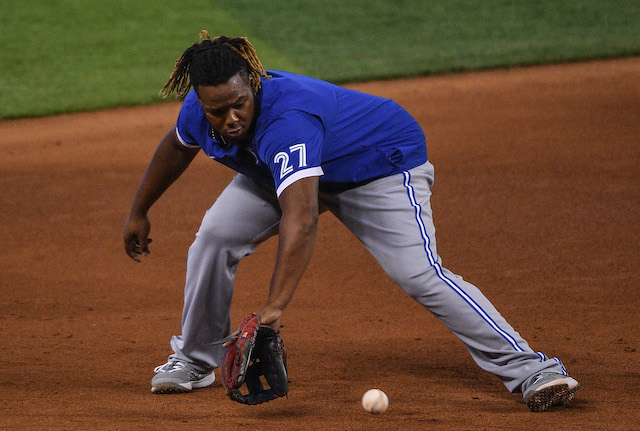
416, 282
217, 236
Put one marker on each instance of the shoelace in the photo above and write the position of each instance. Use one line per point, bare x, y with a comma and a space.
169, 367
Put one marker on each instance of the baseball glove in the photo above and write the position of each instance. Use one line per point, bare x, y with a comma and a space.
255, 350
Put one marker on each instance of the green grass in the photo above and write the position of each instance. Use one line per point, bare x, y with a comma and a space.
365, 39
70, 55
66, 55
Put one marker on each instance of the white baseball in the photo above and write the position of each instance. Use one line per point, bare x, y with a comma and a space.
375, 401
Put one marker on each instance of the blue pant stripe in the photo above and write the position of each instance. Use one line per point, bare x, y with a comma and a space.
438, 268
564, 370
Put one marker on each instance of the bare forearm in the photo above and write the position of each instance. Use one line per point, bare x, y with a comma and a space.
168, 163
295, 247
298, 226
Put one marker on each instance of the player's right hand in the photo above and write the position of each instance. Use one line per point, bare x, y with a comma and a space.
136, 237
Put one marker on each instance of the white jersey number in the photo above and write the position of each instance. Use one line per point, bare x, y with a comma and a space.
283, 158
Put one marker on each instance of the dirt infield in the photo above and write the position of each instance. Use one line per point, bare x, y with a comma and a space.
536, 201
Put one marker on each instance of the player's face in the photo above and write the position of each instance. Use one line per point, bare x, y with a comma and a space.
229, 107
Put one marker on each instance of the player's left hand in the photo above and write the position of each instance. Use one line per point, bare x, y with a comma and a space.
271, 315
255, 350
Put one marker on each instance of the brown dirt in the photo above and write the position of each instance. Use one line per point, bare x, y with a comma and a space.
536, 200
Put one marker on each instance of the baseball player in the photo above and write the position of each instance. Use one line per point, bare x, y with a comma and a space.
301, 146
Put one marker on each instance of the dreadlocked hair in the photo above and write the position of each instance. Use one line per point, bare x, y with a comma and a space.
214, 62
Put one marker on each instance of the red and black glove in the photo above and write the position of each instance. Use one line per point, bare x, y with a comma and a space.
255, 350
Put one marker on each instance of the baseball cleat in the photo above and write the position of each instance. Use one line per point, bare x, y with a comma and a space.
550, 389
179, 377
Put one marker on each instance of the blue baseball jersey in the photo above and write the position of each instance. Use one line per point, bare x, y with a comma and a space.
307, 127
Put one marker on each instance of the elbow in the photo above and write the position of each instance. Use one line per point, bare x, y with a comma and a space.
308, 223
304, 222
312, 225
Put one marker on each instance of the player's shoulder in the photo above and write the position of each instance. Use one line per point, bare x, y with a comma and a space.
191, 101
289, 127
191, 110
192, 124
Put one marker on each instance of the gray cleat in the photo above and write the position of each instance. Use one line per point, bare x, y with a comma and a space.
178, 376
548, 390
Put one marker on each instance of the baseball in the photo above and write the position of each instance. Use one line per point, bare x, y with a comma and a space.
375, 401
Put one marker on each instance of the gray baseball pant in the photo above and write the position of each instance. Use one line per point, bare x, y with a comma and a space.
393, 219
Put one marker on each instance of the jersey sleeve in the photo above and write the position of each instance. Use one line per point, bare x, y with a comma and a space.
292, 148
190, 116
